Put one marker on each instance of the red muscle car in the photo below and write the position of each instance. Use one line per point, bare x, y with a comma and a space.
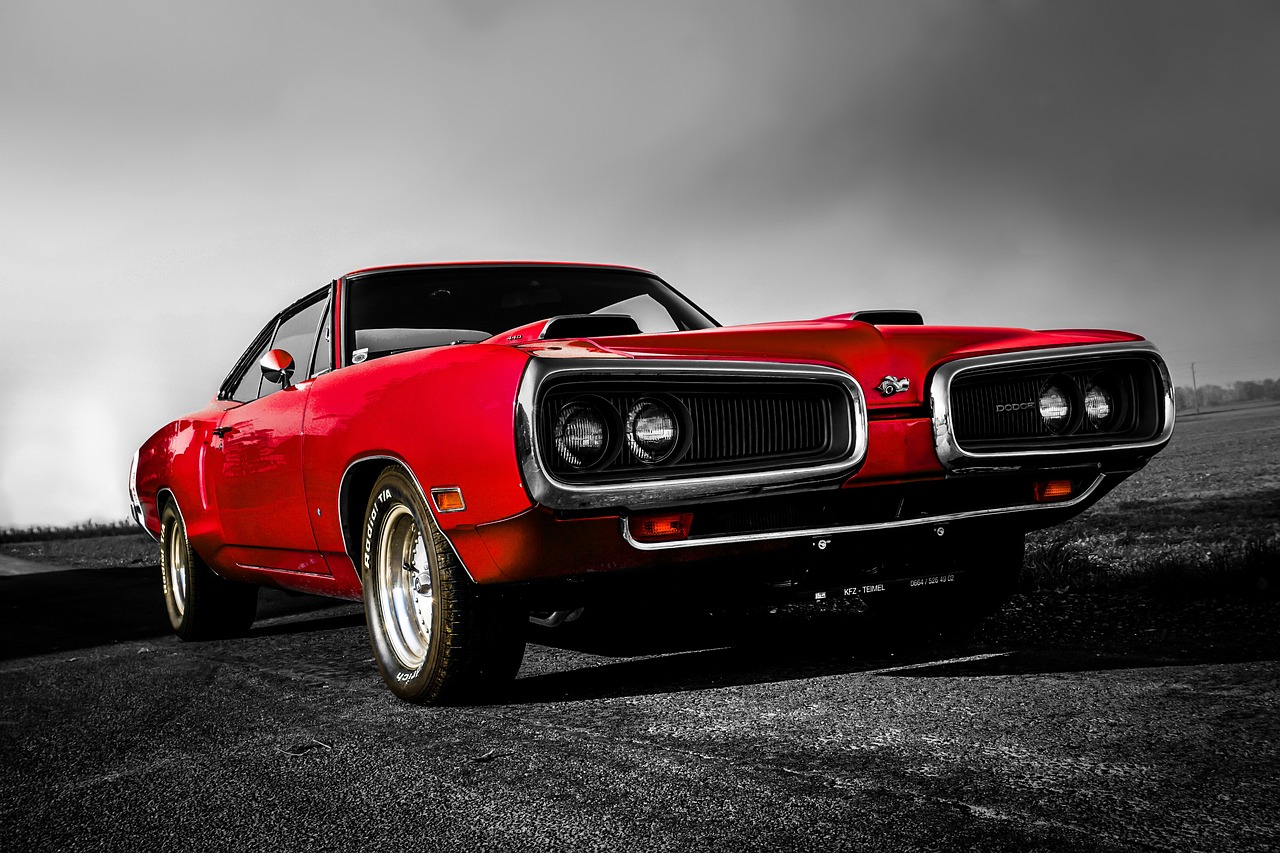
464, 445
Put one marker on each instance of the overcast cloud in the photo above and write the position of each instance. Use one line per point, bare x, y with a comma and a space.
174, 173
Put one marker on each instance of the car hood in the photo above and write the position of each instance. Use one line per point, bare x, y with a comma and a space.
866, 352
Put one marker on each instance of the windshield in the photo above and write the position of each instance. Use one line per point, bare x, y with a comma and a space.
396, 310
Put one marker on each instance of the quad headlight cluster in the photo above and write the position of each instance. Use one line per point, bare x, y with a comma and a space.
1066, 405
588, 431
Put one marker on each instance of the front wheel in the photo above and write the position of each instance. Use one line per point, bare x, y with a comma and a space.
201, 605
437, 637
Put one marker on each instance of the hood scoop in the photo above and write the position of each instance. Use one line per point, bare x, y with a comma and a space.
889, 317
589, 326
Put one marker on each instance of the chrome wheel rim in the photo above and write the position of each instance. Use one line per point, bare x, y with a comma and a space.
178, 570
406, 596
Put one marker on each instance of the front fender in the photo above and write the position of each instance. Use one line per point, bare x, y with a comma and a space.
448, 413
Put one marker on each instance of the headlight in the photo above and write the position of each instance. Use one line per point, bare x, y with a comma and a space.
581, 434
1057, 406
1102, 401
1097, 404
653, 432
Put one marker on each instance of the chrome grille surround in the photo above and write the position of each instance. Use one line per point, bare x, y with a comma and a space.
759, 422
955, 456
667, 485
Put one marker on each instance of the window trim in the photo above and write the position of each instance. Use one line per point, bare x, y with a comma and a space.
245, 361
326, 315
268, 335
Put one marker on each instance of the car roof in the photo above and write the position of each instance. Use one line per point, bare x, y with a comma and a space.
463, 264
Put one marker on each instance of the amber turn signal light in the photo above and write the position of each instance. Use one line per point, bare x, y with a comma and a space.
661, 528
448, 499
1052, 490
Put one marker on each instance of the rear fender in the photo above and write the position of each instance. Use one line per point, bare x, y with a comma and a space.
171, 467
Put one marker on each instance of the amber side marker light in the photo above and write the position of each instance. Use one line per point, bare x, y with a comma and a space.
448, 499
1052, 490
661, 528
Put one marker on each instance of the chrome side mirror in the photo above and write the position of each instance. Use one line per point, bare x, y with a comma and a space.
277, 366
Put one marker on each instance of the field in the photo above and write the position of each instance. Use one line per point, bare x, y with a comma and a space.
1203, 514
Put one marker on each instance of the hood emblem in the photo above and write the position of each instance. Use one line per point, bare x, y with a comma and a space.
891, 385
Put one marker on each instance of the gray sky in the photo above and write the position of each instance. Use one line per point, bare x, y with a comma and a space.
174, 173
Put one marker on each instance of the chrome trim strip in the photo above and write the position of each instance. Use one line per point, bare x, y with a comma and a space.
548, 491
342, 525
955, 458
280, 571
737, 538
135, 503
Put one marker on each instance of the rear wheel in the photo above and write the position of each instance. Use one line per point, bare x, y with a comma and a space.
437, 637
201, 605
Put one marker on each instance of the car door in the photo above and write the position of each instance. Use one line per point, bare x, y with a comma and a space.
256, 458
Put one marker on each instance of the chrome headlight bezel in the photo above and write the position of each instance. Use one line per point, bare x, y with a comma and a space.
1060, 404
606, 431
654, 450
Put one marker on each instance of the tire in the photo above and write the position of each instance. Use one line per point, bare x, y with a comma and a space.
437, 636
201, 605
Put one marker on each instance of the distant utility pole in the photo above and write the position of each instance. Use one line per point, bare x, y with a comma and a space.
1194, 391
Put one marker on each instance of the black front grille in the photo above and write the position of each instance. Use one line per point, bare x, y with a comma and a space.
727, 426
730, 426
999, 407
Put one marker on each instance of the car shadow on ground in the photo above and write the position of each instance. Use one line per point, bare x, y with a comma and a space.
60, 611
617, 655
813, 644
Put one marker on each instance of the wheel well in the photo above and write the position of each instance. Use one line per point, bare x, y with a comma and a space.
353, 498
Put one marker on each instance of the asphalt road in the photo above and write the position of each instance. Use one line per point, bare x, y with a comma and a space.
114, 735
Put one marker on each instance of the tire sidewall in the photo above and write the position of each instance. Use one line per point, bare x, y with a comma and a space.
170, 526
393, 489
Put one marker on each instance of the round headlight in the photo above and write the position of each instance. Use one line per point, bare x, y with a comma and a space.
1055, 406
1098, 404
581, 434
1103, 404
652, 430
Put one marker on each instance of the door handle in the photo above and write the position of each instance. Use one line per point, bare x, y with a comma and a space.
223, 431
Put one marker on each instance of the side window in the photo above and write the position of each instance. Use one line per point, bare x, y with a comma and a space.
293, 332
297, 336
245, 381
